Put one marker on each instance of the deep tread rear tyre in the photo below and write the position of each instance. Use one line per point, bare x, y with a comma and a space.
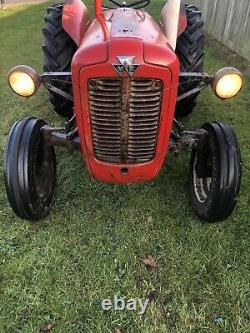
58, 50
214, 194
190, 51
29, 177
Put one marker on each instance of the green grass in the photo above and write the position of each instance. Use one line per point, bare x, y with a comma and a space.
90, 247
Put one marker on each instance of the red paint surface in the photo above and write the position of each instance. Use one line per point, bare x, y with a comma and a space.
143, 39
182, 19
75, 19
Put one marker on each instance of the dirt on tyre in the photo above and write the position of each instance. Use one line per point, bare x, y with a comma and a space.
215, 173
58, 51
30, 170
190, 51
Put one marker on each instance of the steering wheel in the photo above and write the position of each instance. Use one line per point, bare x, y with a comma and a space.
135, 4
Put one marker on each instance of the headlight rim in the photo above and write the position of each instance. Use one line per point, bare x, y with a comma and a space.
29, 71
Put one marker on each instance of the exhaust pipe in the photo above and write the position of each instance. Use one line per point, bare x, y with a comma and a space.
170, 21
100, 18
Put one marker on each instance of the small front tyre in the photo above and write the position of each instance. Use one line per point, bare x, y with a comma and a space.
215, 173
30, 170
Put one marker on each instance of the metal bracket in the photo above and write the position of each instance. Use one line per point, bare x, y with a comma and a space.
202, 76
69, 123
58, 137
183, 139
59, 92
204, 80
48, 77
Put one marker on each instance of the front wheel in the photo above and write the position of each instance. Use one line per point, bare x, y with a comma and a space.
30, 170
215, 173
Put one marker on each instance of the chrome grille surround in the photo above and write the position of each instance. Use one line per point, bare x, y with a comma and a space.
124, 115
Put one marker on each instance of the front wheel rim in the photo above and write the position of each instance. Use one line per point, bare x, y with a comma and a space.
43, 172
202, 186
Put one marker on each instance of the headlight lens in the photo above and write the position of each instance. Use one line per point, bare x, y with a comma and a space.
24, 80
227, 83
22, 84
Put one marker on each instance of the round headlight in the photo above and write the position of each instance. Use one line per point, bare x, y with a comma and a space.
227, 83
24, 80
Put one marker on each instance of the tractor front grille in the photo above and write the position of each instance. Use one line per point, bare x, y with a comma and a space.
125, 115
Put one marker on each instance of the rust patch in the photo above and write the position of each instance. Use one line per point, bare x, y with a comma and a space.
125, 97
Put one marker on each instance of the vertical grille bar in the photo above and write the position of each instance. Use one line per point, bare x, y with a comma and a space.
124, 116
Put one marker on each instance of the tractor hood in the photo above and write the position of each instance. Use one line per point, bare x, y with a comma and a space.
141, 34
122, 22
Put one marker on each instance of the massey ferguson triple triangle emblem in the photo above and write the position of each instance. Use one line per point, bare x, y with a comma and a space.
125, 65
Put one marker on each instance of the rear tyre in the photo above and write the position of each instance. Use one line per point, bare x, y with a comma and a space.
58, 51
190, 51
215, 173
30, 170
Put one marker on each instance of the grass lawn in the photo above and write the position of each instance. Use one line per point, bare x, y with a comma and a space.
55, 273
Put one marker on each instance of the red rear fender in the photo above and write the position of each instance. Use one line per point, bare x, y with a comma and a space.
182, 17
75, 19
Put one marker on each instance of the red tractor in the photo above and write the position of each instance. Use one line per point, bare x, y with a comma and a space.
122, 81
